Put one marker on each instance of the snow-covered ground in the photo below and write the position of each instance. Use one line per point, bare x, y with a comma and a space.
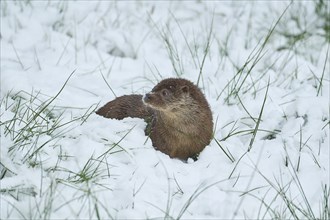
263, 66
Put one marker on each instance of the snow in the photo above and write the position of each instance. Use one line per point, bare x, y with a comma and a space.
92, 167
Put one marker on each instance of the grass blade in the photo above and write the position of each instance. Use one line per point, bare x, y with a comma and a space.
259, 119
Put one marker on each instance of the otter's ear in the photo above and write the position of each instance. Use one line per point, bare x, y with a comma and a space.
185, 89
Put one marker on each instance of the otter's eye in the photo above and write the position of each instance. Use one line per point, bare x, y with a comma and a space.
165, 92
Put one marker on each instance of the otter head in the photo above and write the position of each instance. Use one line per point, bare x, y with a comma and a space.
168, 95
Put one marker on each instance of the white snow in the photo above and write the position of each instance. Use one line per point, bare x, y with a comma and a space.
92, 167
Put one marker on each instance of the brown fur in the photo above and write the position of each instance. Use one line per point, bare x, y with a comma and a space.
178, 115
125, 106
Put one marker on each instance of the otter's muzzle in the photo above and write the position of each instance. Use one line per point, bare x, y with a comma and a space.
148, 97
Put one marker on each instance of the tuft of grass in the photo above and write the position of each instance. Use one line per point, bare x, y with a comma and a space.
169, 39
171, 48
192, 54
325, 206
89, 173
235, 85
322, 10
64, 50
206, 51
228, 154
324, 68
259, 119
86, 196
307, 26
19, 191
116, 145
30, 122
199, 190
17, 56
86, 184
294, 208
108, 84
35, 124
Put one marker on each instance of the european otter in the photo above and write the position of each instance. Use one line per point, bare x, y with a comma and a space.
179, 119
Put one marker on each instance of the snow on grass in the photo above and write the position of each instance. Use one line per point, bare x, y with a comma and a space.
263, 66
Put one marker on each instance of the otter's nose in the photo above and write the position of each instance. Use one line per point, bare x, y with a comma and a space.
147, 97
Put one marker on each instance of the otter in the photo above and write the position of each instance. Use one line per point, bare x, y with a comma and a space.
179, 119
